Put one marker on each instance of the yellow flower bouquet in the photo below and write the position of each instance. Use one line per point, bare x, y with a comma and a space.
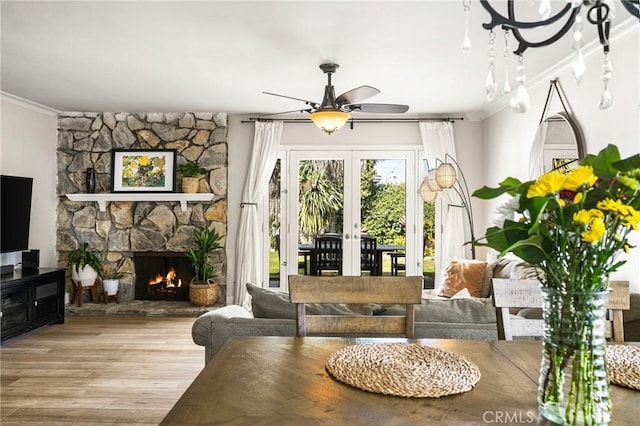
572, 227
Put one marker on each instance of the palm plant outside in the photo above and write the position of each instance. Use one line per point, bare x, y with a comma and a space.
321, 197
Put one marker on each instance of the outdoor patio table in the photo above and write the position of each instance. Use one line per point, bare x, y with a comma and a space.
282, 380
308, 249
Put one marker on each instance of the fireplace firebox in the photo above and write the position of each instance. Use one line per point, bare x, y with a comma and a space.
162, 276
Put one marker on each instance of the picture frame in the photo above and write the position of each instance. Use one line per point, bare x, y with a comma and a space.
143, 170
564, 165
559, 158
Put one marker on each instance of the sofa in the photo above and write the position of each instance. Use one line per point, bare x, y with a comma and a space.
458, 317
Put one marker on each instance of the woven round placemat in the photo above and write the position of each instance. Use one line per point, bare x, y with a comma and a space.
403, 369
623, 365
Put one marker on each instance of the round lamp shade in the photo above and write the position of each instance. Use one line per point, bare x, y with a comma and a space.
329, 120
431, 180
427, 195
446, 175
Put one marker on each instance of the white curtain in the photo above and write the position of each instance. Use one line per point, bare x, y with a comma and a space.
536, 162
438, 140
249, 267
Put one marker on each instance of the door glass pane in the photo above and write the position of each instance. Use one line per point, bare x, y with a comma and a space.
383, 213
320, 212
274, 226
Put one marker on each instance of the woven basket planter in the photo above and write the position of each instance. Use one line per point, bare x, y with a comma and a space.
190, 184
201, 294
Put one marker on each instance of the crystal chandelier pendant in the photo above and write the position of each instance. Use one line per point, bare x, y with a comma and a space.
490, 85
466, 42
506, 88
545, 9
579, 66
606, 100
520, 101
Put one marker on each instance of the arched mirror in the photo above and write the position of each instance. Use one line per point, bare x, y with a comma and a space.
559, 142
563, 143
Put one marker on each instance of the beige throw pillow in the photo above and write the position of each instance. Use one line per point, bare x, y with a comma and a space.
463, 274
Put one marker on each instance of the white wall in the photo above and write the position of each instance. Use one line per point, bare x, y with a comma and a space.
507, 136
240, 139
28, 148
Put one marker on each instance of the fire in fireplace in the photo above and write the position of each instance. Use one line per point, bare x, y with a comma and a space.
165, 284
162, 276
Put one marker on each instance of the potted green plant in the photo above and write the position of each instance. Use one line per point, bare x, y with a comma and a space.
191, 173
85, 265
111, 281
203, 290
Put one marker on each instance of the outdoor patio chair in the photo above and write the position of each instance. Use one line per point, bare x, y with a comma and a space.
369, 259
328, 254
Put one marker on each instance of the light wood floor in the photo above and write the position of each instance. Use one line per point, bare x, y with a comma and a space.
98, 370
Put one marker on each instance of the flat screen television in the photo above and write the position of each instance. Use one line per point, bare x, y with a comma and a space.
15, 212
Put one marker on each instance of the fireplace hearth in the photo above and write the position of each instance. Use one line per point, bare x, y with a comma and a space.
162, 276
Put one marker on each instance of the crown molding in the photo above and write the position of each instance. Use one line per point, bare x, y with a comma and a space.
25, 103
625, 29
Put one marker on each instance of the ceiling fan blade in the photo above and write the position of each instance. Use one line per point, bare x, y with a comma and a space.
377, 108
356, 95
313, 104
286, 112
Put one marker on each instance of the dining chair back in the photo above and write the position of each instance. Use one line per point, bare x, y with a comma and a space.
528, 294
328, 254
369, 259
355, 289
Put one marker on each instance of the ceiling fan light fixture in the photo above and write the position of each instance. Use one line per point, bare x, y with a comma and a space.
329, 120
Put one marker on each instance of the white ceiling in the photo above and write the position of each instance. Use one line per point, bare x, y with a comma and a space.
220, 56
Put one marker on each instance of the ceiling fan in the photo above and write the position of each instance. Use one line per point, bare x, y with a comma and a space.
333, 112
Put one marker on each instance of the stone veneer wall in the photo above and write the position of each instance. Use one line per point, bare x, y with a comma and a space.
87, 139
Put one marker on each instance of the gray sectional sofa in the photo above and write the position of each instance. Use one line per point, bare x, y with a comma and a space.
456, 318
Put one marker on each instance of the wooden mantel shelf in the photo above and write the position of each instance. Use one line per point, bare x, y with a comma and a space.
103, 199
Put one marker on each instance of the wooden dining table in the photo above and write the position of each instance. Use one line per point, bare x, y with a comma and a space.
283, 381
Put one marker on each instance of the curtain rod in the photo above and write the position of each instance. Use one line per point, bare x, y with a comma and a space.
358, 120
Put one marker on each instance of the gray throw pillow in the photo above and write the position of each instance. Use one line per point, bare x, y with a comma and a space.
485, 290
275, 304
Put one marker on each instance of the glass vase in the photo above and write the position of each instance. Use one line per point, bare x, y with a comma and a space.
90, 180
573, 387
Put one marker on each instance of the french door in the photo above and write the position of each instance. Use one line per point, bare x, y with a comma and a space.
350, 193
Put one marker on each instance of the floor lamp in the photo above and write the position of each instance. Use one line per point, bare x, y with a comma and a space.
445, 176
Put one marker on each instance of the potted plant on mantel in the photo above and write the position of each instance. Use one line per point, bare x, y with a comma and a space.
203, 290
191, 173
85, 265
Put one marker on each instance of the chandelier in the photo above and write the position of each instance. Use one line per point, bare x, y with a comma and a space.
571, 17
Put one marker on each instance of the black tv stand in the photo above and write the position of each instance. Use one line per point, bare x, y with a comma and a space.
6, 270
31, 299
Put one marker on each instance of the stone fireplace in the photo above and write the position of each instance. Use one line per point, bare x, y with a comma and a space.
128, 230
162, 276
